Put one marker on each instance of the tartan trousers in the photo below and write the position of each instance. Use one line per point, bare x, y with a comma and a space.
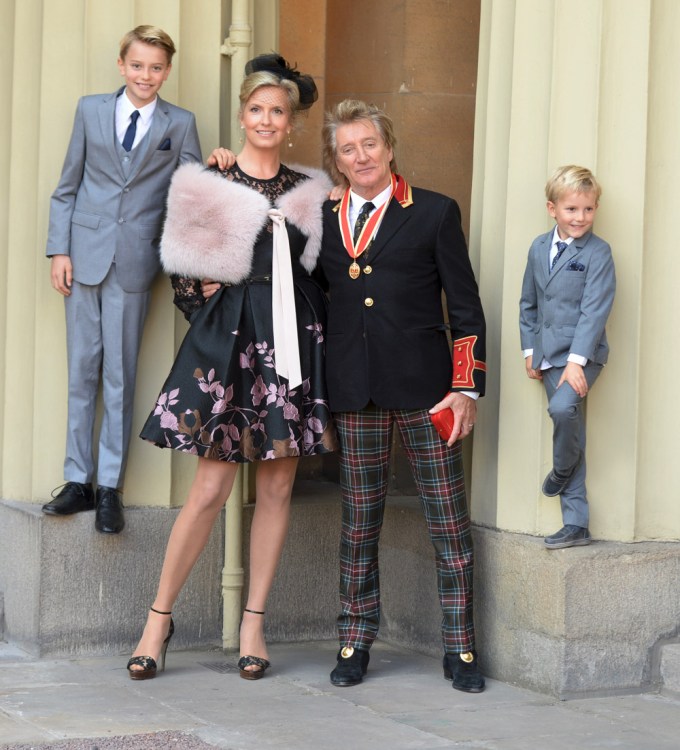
365, 438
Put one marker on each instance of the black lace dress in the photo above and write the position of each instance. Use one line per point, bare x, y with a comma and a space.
223, 398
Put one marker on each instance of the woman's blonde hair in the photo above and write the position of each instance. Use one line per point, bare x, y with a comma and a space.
254, 81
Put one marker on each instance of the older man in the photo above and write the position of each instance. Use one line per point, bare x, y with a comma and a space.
388, 252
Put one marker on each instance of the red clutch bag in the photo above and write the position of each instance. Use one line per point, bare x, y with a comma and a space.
443, 421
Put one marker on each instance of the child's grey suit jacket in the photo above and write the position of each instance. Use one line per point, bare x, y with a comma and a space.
566, 310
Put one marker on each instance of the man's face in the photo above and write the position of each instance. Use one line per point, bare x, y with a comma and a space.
363, 157
574, 213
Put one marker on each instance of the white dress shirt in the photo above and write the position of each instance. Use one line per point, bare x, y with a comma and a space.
124, 108
356, 203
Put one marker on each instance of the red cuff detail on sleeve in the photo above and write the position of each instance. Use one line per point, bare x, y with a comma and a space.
464, 363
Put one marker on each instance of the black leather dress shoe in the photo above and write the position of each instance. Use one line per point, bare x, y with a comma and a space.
351, 667
109, 516
73, 498
463, 671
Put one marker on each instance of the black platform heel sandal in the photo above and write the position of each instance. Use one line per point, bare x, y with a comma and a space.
252, 661
147, 663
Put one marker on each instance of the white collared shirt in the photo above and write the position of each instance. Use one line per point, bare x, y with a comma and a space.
553, 248
124, 108
356, 203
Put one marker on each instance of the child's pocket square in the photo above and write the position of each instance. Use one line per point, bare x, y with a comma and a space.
576, 266
165, 146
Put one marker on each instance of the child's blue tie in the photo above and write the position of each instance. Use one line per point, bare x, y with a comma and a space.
561, 247
131, 132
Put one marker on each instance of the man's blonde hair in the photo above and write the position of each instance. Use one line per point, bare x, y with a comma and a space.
571, 179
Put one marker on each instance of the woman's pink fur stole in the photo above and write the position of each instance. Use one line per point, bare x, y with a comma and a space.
212, 223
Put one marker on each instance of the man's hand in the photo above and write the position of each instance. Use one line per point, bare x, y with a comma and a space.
464, 410
209, 287
223, 158
573, 374
533, 374
61, 274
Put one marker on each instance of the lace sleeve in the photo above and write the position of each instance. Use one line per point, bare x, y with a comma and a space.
188, 295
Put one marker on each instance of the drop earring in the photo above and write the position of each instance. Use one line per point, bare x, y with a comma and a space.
242, 138
290, 142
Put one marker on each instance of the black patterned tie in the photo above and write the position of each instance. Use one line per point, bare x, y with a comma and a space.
561, 247
362, 218
131, 132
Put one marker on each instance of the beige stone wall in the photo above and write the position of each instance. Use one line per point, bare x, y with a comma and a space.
592, 82
416, 59
52, 54
303, 43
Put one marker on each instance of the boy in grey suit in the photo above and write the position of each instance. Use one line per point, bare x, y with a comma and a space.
567, 294
106, 216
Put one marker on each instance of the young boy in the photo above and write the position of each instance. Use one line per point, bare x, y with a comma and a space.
567, 294
106, 217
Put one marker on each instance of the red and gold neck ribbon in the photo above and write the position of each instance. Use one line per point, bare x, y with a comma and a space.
399, 190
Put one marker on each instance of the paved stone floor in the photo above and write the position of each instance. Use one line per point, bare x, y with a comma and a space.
200, 702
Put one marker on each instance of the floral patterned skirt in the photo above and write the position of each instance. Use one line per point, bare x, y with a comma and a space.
223, 398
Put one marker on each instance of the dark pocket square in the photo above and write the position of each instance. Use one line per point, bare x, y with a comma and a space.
165, 146
576, 266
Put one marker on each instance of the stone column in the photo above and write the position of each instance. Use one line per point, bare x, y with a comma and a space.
67, 588
591, 82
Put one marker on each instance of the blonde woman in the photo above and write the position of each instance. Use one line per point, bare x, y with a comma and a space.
248, 382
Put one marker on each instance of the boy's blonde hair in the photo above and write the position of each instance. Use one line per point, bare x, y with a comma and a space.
148, 35
571, 179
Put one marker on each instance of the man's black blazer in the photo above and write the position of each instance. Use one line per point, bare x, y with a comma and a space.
387, 336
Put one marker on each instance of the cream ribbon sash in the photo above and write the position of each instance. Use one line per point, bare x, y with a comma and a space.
286, 346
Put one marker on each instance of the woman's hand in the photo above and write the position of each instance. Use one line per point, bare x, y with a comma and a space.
209, 287
337, 192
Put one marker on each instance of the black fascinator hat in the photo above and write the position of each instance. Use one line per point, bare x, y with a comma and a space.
274, 63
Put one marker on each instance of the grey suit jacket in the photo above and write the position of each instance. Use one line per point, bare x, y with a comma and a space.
96, 213
566, 311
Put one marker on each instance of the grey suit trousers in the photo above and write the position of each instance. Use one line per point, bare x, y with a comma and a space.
565, 407
104, 325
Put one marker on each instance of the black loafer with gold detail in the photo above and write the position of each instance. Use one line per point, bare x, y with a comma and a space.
351, 667
463, 671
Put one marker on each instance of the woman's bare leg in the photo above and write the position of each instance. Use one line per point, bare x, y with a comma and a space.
267, 536
190, 532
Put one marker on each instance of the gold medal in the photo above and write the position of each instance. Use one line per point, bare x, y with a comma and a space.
370, 228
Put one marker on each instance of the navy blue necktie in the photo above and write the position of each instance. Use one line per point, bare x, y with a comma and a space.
561, 247
131, 132
362, 218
